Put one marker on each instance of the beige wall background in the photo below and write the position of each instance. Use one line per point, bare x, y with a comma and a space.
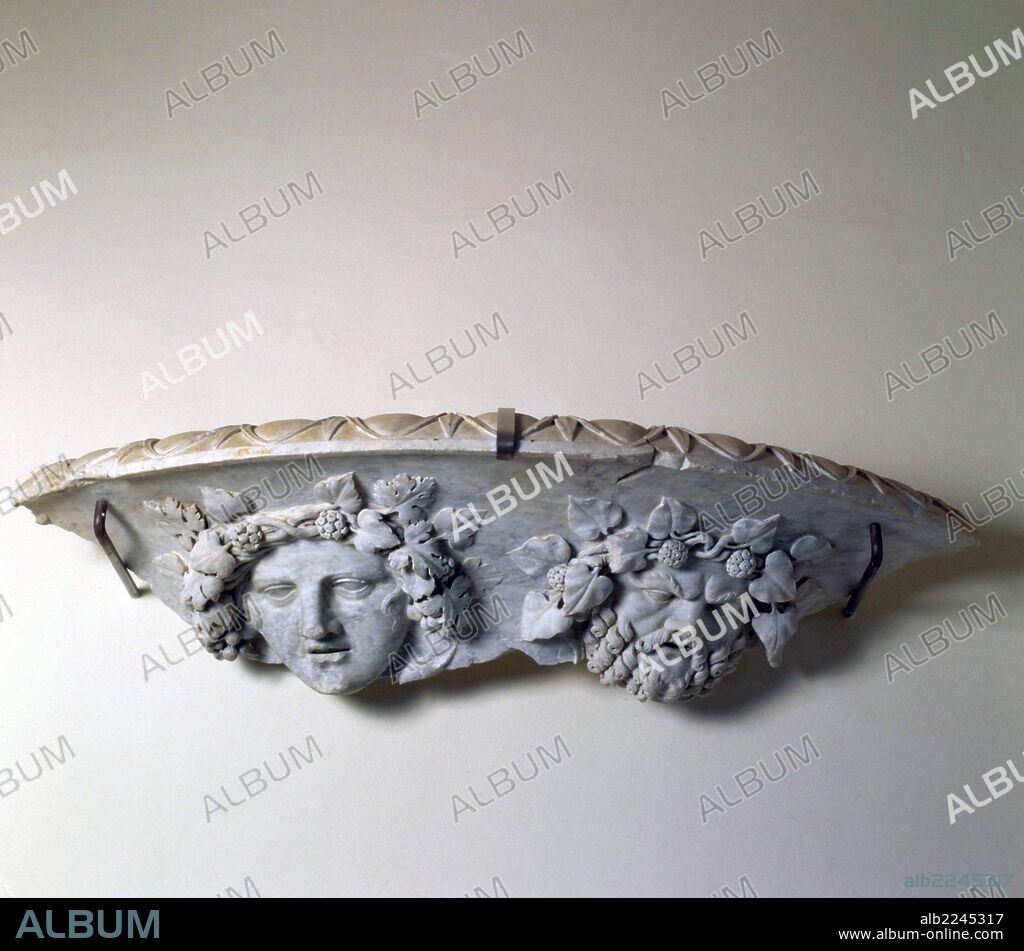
361, 280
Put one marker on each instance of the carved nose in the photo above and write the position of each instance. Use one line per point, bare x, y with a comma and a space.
314, 619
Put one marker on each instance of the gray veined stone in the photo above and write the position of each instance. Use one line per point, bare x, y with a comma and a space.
398, 546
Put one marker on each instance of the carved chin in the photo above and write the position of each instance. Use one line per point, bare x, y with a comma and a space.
345, 672
337, 682
336, 689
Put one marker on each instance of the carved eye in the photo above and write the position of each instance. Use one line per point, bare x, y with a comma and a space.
279, 593
351, 587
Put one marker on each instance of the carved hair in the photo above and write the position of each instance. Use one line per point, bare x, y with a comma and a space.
613, 651
225, 541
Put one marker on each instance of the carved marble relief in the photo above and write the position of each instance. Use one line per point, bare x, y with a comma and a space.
666, 610
380, 570
335, 590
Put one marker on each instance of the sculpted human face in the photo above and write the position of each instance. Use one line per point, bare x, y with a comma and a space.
648, 605
332, 614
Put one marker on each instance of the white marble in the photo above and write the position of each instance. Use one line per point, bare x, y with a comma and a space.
398, 547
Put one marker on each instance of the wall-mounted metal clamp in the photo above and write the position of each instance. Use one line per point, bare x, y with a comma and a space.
505, 433
875, 531
99, 528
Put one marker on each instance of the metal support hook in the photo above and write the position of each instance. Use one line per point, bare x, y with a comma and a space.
505, 434
99, 528
872, 569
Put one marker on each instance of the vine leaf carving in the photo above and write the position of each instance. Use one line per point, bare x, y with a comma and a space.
373, 534
183, 522
341, 491
590, 518
407, 496
485, 577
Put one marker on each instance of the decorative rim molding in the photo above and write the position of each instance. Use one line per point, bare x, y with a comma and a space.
669, 446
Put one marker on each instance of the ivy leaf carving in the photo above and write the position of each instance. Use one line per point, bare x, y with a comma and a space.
777, 583
593, 553
809, 547
774, 629
585, 589
589, 518
541, 618
540, 554
662, 582
806, 591
754, 533
340, 491
671, 519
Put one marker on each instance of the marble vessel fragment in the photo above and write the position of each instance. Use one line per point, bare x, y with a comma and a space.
353, 549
